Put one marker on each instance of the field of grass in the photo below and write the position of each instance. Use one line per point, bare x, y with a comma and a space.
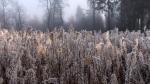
85, 57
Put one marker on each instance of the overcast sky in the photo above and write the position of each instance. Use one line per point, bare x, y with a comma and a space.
34, 7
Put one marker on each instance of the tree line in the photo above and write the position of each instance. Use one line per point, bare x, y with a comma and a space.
123, 14
101, 15
13, 15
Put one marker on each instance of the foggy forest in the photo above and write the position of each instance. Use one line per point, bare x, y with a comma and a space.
75, 42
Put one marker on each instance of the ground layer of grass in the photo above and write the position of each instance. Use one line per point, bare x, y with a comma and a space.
58, 57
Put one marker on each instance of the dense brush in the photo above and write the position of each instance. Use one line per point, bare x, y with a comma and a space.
73, 57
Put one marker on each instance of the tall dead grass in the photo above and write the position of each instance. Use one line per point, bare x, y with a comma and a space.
73, 57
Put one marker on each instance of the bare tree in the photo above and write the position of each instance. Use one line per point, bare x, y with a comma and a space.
53, 13
92, 5
4, 4
19, 16
49, 10
107, 6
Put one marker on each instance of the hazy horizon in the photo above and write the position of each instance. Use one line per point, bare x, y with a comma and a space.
34, 7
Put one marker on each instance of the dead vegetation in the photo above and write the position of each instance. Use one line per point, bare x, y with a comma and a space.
73, 57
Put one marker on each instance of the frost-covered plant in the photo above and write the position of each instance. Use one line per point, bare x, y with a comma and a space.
85, 57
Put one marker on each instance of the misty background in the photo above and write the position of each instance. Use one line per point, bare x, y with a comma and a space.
34, 7
47, 15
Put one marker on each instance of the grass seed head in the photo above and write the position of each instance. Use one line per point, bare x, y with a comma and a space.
41, 50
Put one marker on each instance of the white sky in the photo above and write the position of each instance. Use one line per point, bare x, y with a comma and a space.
34, 7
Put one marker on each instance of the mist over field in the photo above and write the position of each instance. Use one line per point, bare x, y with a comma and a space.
74, 42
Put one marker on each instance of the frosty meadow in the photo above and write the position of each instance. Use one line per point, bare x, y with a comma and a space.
85, 57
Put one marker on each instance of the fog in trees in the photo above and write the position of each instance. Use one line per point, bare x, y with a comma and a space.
100, 15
